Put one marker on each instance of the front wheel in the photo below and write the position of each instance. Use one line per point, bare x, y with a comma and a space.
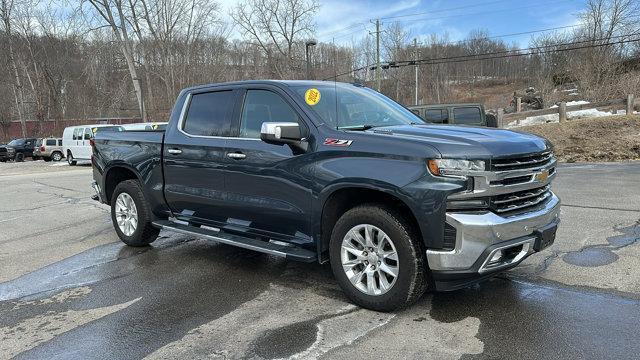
376, 258
131, 216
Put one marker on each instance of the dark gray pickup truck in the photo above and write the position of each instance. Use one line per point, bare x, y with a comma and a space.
323, 171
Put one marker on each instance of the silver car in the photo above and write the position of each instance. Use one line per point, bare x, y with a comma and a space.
48, 149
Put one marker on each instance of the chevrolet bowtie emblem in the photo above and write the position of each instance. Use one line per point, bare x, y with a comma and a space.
542, 176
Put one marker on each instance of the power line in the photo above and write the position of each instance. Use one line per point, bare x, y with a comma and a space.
482, 12
504, 54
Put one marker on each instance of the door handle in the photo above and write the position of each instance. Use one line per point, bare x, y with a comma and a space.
175, 151
236, 156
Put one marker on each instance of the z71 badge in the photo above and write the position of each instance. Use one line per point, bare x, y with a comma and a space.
337, 142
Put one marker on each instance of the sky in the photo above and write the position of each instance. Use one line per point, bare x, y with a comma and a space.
344, 21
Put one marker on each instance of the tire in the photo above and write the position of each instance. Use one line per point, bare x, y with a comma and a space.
71, 160
144, 233
411, 280
19, 157
56, 156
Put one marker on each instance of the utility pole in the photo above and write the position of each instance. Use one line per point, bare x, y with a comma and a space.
415, 48
377, 32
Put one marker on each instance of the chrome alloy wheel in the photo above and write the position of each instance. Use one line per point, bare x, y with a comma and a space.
126, 214
369, 259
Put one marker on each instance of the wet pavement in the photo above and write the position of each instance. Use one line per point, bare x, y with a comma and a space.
70, 290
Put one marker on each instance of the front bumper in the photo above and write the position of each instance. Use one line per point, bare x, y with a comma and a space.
480, 235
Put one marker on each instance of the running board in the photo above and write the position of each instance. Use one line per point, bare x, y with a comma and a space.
290, 252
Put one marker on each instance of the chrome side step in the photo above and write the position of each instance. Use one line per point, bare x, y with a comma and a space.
289, 252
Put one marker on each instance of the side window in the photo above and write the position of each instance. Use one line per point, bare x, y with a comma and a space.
77, 134
209, 114
51, 142
88, 134
467, 116
436, 116
263, 106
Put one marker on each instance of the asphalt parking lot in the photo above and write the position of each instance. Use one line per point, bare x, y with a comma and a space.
70, 290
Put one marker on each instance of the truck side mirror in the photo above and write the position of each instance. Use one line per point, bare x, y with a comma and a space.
281, 133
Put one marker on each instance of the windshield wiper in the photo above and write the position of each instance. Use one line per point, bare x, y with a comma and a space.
362, 127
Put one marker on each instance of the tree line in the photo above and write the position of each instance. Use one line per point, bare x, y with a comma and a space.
130, 58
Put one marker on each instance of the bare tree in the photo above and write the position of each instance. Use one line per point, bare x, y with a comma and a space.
113, 13
275, 26
7, 8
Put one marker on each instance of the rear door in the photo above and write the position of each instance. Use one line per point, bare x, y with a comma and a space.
266, 193
193, 154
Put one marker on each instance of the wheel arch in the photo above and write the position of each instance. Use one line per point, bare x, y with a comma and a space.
115, 175
347, 196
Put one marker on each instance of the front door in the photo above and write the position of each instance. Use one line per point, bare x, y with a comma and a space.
266, 192
193, 156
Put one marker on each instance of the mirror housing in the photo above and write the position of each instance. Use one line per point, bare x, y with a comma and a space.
281, 133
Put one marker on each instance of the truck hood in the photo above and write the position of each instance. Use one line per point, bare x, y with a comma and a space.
454, 141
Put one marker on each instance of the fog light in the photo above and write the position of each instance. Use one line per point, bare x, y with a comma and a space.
497, 256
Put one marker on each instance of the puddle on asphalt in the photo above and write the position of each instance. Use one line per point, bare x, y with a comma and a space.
287, 340
591, 257
601, 255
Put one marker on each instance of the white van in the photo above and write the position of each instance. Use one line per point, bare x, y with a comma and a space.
75, 140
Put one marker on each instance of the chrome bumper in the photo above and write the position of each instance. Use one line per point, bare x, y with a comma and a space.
476, 233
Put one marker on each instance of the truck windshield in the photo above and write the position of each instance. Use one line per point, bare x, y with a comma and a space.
346, 106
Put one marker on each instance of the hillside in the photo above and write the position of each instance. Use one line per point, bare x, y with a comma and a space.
610, 138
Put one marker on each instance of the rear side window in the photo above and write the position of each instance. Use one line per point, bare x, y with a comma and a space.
209, 114
467, 116
77, 134
59, 142
436, 115
88, 134
51, 142
263, 106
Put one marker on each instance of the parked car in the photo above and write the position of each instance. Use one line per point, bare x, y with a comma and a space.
148, 126
23, 148
49, 149
324, 171
458, 114
7, 153
76, 140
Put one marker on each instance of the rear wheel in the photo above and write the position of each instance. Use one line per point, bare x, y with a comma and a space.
376, 258
70, 159
131, 216
56, 156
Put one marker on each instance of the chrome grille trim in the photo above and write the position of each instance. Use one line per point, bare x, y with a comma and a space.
527, 200
523, 162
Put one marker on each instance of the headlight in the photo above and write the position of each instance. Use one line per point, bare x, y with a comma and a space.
454, 167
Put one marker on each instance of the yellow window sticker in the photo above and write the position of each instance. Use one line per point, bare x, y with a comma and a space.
312, 96
94, 130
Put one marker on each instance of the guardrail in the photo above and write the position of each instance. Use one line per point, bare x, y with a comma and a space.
562, 109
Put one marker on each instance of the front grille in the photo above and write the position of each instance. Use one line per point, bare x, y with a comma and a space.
521, 200
522, 162
3, 150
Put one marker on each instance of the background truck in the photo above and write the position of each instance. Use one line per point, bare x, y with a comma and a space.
323, 171
458, 114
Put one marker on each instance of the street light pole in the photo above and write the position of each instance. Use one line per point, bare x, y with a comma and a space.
306, 51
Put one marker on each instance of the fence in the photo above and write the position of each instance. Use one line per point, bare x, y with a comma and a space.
562, 109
